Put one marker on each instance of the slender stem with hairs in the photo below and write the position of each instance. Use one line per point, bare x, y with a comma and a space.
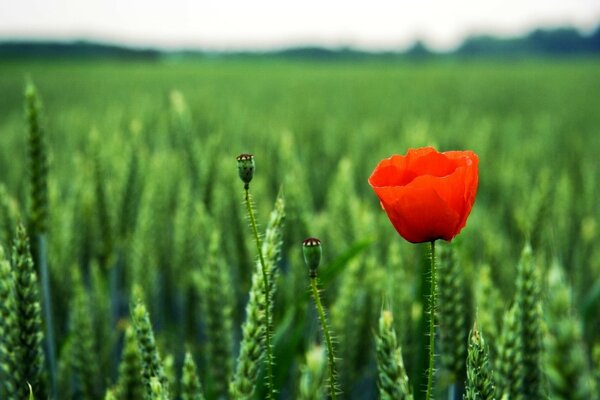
331, 359
432, 298
270, 385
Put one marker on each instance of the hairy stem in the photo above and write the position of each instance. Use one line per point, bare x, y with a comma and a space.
270, 389
432, 297
330, 357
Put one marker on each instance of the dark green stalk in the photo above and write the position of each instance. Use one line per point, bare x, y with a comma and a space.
392, 379
566, 360
110, 395
452, 315
268, 322
129, 383
152, 366
9, 334
84, 359
157, 390
351, 299
325, 328
508, 366
253, 330
29, 350
529, 323
215, 288
191, 389
105, 230
432, 306
38, 219
312, 375
170, 374
9, 215
480, 384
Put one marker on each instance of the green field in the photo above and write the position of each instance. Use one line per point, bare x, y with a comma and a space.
143, 192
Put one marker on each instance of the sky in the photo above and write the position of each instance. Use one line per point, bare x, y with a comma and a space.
265, 24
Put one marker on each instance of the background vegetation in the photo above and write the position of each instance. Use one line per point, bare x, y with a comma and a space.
143, 192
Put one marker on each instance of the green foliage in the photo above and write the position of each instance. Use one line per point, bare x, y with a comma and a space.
312, 375
38, 158
217, 301
480, 382
351, 301
191, 389
102, 210
567, 369
392, 379
153, 373
157, 390
129, 383
334, 388
29, 351
9, 215
529, 326
509, 366
142, 177
453, 316
9, 333
490, 306
252, 344
84, 357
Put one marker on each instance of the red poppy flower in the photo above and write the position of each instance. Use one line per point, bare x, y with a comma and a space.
426, 194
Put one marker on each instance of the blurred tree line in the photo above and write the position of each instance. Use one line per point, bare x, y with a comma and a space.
560, 42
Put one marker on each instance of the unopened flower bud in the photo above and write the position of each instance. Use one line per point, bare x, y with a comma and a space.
311, 248
245, 168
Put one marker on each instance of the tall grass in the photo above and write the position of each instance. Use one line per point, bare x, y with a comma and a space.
137, 188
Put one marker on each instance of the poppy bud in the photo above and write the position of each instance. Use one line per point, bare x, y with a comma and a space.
245, 167
311, 248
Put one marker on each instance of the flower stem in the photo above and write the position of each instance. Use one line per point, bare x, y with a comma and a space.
432, 298
270, 389
331, 360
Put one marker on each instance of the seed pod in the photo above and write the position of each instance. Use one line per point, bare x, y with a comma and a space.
311, 248
245, 167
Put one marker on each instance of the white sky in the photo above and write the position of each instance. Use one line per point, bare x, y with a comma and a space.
261, 24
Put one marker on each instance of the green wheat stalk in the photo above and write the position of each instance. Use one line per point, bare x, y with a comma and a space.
9, 215
191, 389
157, 390
217, 303
480, 383
102, 319
268, 296
110, 395
170, 374
84, 358
566, 366
29, 350
9, 333
102, 211
453, 315
252, 348
529, 325
152, 366
392, 380
129, 383
508, 367
38, 217
312, 375
350, 300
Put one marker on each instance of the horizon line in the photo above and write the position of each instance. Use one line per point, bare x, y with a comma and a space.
106, 40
